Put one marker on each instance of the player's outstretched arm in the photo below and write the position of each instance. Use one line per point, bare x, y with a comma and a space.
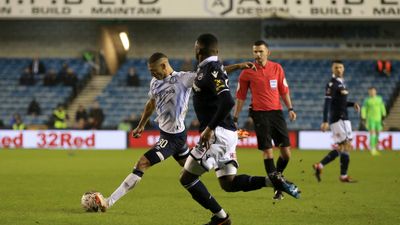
240, 66
148, 110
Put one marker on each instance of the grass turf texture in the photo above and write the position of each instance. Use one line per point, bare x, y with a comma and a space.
45, 187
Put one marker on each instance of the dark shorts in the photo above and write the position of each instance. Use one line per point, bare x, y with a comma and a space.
270, 125
167, 145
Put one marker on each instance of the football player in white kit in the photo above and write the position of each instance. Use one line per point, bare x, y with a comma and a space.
169, 96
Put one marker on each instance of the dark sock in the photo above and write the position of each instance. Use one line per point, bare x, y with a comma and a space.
281, 164
138, 172
200, 193
330, 157
269, 166
247, 183
344, 163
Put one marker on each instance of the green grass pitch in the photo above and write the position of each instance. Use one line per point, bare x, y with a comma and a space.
45, 187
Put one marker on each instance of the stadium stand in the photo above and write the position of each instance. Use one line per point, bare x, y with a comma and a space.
307, 79
15, 98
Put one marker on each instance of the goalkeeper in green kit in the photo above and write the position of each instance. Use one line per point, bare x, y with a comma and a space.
373, 112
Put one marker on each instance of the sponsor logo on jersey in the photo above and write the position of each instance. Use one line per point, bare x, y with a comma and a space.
219, 85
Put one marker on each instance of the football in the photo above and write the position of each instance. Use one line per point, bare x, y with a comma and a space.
88, 201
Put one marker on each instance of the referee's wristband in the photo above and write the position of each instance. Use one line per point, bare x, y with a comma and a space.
290, 109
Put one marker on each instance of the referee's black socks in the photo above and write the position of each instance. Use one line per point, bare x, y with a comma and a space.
281, 164
269, 166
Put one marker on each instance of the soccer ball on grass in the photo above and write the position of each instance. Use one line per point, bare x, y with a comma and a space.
88, 201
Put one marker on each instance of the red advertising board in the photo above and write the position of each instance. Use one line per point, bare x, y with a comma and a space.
63, 139
149, 138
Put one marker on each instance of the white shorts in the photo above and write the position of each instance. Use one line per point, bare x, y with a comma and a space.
341, 131
221, 155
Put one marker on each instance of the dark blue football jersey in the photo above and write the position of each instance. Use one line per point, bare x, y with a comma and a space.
210, 82
336, 94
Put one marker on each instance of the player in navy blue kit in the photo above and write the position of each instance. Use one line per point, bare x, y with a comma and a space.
213, 102
336, 106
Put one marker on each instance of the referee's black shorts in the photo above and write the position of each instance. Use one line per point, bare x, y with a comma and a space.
270, 125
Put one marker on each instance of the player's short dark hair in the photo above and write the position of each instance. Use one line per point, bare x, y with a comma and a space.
337, 61
208, 43
372, 87
261, 42
156, 56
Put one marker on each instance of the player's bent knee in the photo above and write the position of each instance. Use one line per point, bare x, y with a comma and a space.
187, 178
143, 163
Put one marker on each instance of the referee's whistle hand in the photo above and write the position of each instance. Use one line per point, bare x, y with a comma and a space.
292, 115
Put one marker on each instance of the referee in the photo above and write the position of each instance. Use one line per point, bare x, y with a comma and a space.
267, 85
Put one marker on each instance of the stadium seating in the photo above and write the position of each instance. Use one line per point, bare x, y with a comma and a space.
15, 98
307, 79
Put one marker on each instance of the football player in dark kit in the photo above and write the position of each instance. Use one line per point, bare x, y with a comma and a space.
336, 107
213, 102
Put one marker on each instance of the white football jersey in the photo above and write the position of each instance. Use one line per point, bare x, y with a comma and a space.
172, 98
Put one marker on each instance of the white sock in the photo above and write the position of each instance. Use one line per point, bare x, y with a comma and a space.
221, 214
130, 182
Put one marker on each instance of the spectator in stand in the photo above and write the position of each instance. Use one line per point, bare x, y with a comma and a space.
13, 119
71, 80
37, 67
125, 125
133, 78
384, 67
81, 117
63, 71
27, 78
194, 125
103, 68
34, 108
50, 78
60, 117
96, 116
18, 124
